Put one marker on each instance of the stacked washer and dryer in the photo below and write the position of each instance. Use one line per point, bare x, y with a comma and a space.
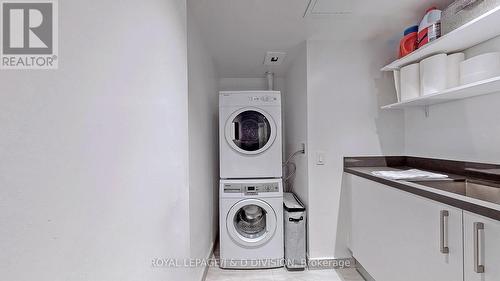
251, 189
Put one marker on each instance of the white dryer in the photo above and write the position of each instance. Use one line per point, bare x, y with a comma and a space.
251, 223
250, 134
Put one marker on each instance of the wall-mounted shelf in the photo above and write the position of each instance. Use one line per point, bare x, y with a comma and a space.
481, 29
488, 86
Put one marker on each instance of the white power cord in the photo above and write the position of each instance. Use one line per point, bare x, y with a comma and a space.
290, 170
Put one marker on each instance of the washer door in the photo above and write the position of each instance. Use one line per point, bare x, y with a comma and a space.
250, 131
251, 222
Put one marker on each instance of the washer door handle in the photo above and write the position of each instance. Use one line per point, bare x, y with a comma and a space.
235, 131
267, 223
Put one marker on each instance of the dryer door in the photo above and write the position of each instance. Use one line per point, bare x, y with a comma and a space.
250, 131
251, 222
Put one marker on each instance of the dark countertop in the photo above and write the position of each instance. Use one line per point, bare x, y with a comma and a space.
474, 187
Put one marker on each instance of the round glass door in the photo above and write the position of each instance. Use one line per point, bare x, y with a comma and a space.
250, 131
251, 222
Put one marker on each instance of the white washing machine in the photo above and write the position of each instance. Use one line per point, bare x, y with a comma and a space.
251, 223
250, 134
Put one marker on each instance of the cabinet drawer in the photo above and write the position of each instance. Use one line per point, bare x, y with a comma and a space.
400, 236
482, 248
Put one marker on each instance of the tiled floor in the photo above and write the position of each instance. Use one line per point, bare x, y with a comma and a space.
281, 274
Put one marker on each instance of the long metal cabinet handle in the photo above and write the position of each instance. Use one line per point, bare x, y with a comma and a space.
478, 268
443, 232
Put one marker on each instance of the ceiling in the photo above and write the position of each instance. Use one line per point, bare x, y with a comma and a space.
240, 32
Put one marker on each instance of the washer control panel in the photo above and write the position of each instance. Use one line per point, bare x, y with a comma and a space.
251, 188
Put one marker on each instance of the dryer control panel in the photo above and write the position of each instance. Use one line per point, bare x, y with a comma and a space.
250, 98
262, 99
251, 189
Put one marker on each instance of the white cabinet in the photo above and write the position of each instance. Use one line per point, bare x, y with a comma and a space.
400, 236
481, 248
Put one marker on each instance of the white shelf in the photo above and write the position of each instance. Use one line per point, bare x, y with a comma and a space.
488, 86
481, 29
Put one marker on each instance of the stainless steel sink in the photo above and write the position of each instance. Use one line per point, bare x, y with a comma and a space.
475, 189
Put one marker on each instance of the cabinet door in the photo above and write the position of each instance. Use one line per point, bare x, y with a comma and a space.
482, 248
400, 236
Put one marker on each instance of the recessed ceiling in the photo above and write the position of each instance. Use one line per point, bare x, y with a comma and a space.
239, 33
329, 8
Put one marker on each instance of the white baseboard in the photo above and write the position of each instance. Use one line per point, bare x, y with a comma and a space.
207, 266
364, 273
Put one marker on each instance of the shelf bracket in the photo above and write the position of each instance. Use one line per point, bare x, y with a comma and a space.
426, 111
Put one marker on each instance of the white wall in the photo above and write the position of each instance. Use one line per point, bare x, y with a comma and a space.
467, 130
295, 118
94, 170
345, 90
249, 84
203, 145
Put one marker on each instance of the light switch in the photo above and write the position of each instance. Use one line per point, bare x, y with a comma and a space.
320, 158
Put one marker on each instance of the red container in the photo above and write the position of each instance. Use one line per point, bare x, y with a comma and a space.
408, 44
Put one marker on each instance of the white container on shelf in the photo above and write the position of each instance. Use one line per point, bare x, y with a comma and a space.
479, 68
410, 82
453, 69
433, 74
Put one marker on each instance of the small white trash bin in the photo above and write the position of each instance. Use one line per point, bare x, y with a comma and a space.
295, 232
